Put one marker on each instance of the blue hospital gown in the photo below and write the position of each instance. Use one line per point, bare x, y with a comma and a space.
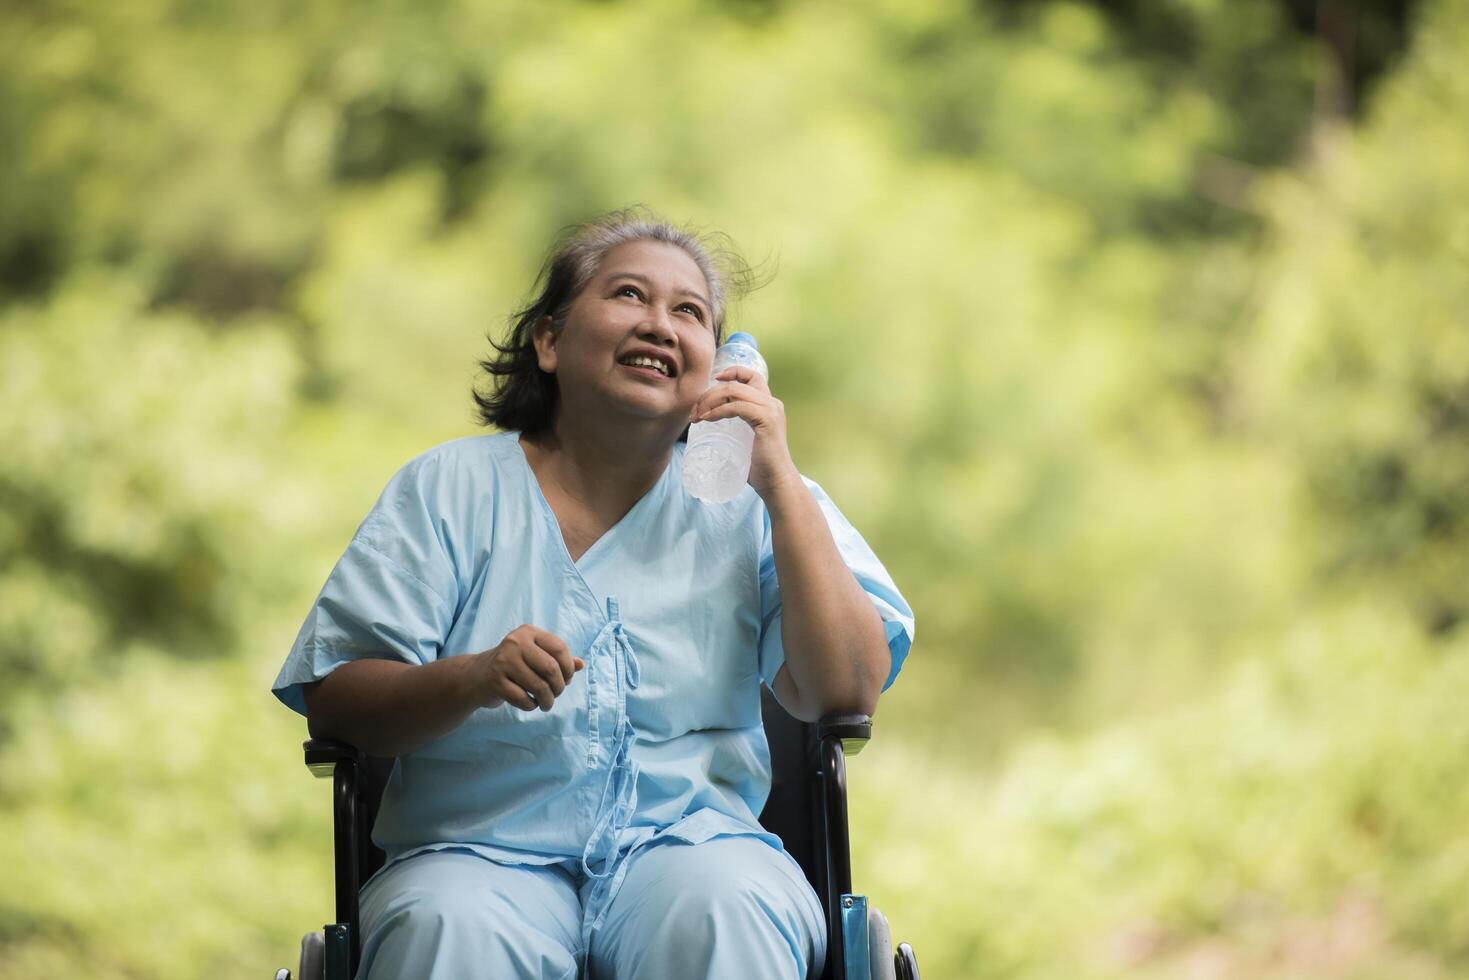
676, 611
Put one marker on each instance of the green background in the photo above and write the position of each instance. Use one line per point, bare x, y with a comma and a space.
1134, 346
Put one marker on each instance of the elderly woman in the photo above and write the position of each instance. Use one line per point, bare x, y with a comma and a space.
563, 650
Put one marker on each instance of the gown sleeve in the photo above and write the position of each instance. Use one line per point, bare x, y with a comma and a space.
897, 616
393, 593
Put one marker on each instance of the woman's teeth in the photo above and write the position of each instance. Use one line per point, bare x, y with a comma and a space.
648, 362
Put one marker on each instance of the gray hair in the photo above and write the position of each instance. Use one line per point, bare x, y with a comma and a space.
522, 397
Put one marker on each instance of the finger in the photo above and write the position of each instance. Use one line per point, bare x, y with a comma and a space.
559, 651
534, 685
524, 633
579, 662
744, 375
548, 670
725, 390
549, 641
513, 694
751, 413
723, 394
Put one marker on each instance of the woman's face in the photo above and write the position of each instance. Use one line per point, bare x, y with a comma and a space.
638, 339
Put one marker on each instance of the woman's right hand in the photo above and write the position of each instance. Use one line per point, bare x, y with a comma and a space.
528, 669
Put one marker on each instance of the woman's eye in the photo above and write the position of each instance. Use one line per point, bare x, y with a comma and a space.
628, 291
693, 311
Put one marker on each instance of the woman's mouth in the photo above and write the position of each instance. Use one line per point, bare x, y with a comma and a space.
650, 366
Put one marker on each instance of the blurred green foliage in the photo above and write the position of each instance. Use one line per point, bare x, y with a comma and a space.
1150, 384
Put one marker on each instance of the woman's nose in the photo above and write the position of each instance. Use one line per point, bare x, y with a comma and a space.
658, 328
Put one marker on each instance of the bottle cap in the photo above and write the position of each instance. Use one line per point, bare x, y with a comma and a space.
742, 338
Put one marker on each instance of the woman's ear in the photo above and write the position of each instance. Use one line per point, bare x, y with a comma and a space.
544, 336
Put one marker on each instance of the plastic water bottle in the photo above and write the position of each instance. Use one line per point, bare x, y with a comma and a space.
716, 463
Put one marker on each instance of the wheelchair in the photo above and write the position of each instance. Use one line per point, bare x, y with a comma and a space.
807, 810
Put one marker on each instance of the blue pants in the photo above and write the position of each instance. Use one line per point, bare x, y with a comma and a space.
731, 907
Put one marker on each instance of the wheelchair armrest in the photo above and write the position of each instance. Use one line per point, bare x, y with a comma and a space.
323, 754
837, 736
853, 730
346, 766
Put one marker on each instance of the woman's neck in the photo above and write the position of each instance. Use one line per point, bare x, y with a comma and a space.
603, 469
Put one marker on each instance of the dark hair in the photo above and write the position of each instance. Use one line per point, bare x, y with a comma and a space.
519, 395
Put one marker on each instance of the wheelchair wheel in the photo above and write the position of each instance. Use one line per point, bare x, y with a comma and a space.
906, 962
313, 957
880, 962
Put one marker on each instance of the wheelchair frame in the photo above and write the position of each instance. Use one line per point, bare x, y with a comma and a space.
807, 810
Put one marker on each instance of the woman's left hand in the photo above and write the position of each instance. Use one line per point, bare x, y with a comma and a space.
743, 393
